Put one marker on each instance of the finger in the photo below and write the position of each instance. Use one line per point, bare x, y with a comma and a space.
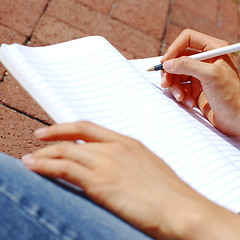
188, 101
192, 39
186, 52
205, 72
64, 169
205, 107
176, 89
166, 80
196, 88
84, 154
211, 76
187, 88
83, 130
185, 78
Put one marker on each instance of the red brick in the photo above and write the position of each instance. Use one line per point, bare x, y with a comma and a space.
128, 55
93, 23
185, 19
103, 6
14, 96
203, 8
229, 16
17, 138
171, 34
129, 29
52, 30
150, 16
21, 16
2, 71
34, 42
10, 36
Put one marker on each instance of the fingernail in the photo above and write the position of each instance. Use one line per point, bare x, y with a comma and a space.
162, 59
168, 65
40, 132
176, 94
163, 82
190, 102
28, 160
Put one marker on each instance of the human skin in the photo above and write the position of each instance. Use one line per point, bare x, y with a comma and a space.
214, 84
122, 175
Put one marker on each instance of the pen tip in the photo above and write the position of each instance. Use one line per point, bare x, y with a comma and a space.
151, 69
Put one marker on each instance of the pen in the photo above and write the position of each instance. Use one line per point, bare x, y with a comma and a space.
205, 55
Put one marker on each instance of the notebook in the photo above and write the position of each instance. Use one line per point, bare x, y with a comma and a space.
88, 79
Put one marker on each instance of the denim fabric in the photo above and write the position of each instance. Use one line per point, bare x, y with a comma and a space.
33, 207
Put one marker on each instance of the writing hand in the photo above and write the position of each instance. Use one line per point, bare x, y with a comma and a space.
214, 84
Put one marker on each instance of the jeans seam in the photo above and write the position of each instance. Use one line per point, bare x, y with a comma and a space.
40, 221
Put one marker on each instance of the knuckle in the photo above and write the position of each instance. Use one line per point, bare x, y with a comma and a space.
181, 62
127, 146
82, 125
224, 43
119, 147
64, 171
62, 147
187, 31
134, 142
183, 59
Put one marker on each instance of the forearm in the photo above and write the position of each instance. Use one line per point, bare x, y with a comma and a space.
213, 223
196, 219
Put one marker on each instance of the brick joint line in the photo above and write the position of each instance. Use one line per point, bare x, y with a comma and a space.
171, 2
4, 77
219, 20
113, 7
28, 40
24, 114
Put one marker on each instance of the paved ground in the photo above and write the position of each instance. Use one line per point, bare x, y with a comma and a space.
137, 28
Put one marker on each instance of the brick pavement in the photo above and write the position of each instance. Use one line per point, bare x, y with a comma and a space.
136, 28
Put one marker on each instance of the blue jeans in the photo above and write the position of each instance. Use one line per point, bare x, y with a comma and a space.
33, 207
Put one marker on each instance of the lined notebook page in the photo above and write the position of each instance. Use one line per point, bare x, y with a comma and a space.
145, 63
230, 146
87, 79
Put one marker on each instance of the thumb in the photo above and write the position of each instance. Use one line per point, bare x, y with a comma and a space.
204, 72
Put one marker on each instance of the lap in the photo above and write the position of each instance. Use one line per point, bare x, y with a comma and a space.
33, 207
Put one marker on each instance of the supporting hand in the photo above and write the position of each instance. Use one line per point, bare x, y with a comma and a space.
125, 177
